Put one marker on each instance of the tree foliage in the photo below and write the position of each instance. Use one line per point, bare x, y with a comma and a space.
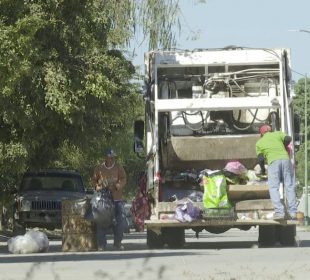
66, 89
299, 108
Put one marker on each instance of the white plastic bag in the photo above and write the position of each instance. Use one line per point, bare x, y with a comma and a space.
31, 242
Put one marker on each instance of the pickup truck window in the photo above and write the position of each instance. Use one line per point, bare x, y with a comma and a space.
52, 182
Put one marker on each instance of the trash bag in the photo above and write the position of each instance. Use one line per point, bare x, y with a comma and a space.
141, 208
215, 191
31, 242
186, 211
196, 196
103, 209
235, 167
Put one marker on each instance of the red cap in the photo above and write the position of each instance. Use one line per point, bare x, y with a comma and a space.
264, 128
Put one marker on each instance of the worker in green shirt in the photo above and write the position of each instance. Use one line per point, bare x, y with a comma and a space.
272, 146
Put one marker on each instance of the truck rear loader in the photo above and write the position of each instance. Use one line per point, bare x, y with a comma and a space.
203, 108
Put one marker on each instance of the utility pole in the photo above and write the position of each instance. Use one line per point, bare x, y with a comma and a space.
306, 218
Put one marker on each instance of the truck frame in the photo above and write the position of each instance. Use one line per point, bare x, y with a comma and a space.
204, 108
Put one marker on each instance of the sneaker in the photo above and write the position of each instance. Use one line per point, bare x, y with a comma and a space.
101, 248
278, 217
293, 217
118, 247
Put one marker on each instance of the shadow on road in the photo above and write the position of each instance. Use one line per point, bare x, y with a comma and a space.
90, 256
133, 251
135, 248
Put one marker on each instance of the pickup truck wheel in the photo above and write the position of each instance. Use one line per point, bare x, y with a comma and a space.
174, 237
18, 229
154, 240
287, 235
267, 236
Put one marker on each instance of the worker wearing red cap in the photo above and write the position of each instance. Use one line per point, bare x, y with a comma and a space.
272, 146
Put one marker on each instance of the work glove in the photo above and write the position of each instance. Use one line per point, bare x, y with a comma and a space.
103, 183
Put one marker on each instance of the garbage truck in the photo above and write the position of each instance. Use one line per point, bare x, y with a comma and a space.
203, 109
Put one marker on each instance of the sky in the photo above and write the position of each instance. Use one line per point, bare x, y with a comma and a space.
247, 23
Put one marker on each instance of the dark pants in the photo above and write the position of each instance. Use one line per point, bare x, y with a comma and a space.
118, 228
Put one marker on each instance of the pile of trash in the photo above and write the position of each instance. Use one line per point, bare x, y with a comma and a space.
234, 171
210, 187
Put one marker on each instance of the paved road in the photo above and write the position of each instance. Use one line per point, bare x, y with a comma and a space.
233, 255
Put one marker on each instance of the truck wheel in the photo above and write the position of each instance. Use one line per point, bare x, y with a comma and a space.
174, 237
154, 240
267, 236
18, 229
287, 235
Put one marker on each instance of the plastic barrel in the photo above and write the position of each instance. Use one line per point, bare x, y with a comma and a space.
78, 234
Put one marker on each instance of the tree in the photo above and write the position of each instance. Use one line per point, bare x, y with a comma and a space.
66, 89
299, 105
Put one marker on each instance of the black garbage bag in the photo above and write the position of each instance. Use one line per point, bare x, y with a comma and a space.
102, 208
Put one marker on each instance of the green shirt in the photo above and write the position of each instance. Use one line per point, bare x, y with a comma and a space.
272, 147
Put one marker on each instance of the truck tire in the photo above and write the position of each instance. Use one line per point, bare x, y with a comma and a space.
174, 237
154, 240
267, 236
287, 235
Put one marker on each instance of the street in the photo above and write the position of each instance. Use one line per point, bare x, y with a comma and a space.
231, 255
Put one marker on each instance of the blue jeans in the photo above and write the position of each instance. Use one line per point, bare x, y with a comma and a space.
118, 228
282, 171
